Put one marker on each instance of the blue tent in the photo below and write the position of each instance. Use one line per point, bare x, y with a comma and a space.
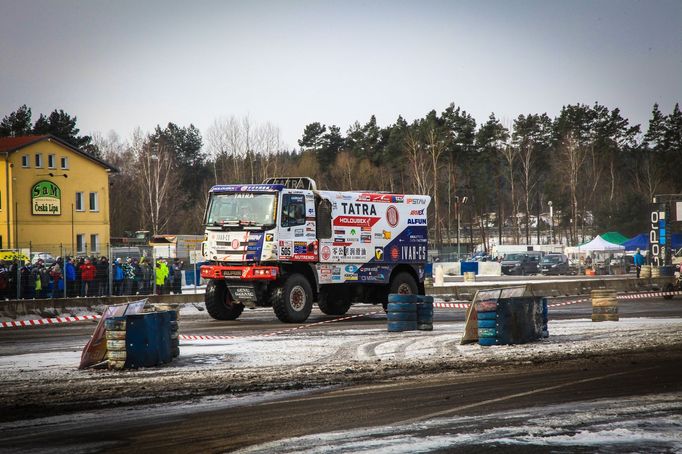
642, 241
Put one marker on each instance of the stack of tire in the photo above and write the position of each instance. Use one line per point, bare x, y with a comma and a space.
175, 338
486, 312
401, 312
409, 312
116, 342
424, 313
545, 318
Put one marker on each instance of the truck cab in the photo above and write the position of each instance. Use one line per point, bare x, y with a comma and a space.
285, 244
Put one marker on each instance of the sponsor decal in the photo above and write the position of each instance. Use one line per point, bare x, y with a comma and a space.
378, 236
355, 252
245, 195
300, 247
395, 253
413, 252
235, 244
326, 253
392, 216
379, 253
339, 240
380, 198
417, 212
339, 232
269, 237
285, 251
351, 269
366, 238
416, 222
311, 211
386, 234
366, 229
350, 277
353, 232
415, 201
307, 257
355, 221
359, 209
298, 232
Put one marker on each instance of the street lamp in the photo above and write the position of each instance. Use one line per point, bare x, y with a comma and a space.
551, 222
458, 206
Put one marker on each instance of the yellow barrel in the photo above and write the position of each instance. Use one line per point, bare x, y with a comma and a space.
645, 272
655, 271
469, 276
604, 306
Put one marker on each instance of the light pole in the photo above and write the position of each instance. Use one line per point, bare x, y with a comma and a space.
551, 222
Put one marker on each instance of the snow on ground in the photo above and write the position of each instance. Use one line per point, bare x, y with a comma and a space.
649, 423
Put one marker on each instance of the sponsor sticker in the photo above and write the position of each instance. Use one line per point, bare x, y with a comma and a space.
326, 253
269, 237
379, 253
392, 216
355, 221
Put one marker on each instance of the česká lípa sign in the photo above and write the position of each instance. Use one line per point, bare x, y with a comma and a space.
46, 199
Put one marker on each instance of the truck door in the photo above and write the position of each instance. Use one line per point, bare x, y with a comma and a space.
297, 241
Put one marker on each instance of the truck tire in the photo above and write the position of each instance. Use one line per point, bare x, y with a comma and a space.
218, 302
670, 289
293, 300
334, 301
403, 283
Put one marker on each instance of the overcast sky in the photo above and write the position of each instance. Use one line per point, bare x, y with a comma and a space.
122, 64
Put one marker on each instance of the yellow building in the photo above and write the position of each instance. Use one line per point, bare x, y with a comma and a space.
53, 197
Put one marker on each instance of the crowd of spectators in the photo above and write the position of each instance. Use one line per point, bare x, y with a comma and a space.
89, 277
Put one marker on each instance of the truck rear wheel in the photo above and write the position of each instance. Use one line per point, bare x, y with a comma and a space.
293, 300
334, 301
402, 283
219, 305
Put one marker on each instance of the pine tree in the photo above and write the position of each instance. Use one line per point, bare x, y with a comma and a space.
18, 123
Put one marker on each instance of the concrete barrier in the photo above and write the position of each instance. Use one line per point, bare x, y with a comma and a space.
52, 307
455, 268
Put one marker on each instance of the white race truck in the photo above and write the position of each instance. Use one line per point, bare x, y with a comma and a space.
285, 244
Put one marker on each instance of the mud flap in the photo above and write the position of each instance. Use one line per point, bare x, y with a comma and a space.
244, 293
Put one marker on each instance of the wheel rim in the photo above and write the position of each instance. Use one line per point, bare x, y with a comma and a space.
404, 289
297, 298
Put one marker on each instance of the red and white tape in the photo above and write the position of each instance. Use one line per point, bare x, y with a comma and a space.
49, 321
647, 295
451, 305
277, 333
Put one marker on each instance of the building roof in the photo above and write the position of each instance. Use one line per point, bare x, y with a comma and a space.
12, 144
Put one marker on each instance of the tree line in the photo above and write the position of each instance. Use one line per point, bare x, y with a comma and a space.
599, 171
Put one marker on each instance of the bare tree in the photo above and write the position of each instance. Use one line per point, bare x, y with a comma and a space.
510, 155
157, 178
571, 158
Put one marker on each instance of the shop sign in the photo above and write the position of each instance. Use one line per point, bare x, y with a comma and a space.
46, 199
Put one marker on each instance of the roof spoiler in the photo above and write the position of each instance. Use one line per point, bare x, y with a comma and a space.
293, 182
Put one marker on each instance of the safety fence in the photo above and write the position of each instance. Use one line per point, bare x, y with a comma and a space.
442, 305
40, 271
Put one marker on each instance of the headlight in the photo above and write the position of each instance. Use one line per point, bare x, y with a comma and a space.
516, 265
554, 266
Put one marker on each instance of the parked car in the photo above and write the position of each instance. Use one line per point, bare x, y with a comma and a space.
46, 257
521, 263
554, 264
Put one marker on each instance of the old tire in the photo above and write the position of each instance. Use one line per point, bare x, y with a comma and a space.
401, 316
402, 307
333, 301
293, 301
396, 327
219, 304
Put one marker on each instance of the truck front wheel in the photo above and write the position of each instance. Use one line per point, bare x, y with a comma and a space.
402, 283
293, 300
334, 301
219, 305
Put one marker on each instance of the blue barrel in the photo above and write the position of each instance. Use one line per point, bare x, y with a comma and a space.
511, 321
425, 316
148, 338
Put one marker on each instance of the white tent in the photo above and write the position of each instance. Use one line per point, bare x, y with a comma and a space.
598, 244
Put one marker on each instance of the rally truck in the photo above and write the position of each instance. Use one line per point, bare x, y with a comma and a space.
284, 244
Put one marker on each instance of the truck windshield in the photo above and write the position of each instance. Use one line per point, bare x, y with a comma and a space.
241, 208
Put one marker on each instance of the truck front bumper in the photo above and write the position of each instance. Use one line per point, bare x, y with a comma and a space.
240, 272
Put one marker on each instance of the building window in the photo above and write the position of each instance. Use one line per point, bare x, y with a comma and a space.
80, 243
94, 243
25, 162
79, 202
64, 162
39, 159
52, 161
94, 202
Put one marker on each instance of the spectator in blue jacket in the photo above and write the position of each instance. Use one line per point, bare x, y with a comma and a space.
638, 261
70, 276
118, 276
